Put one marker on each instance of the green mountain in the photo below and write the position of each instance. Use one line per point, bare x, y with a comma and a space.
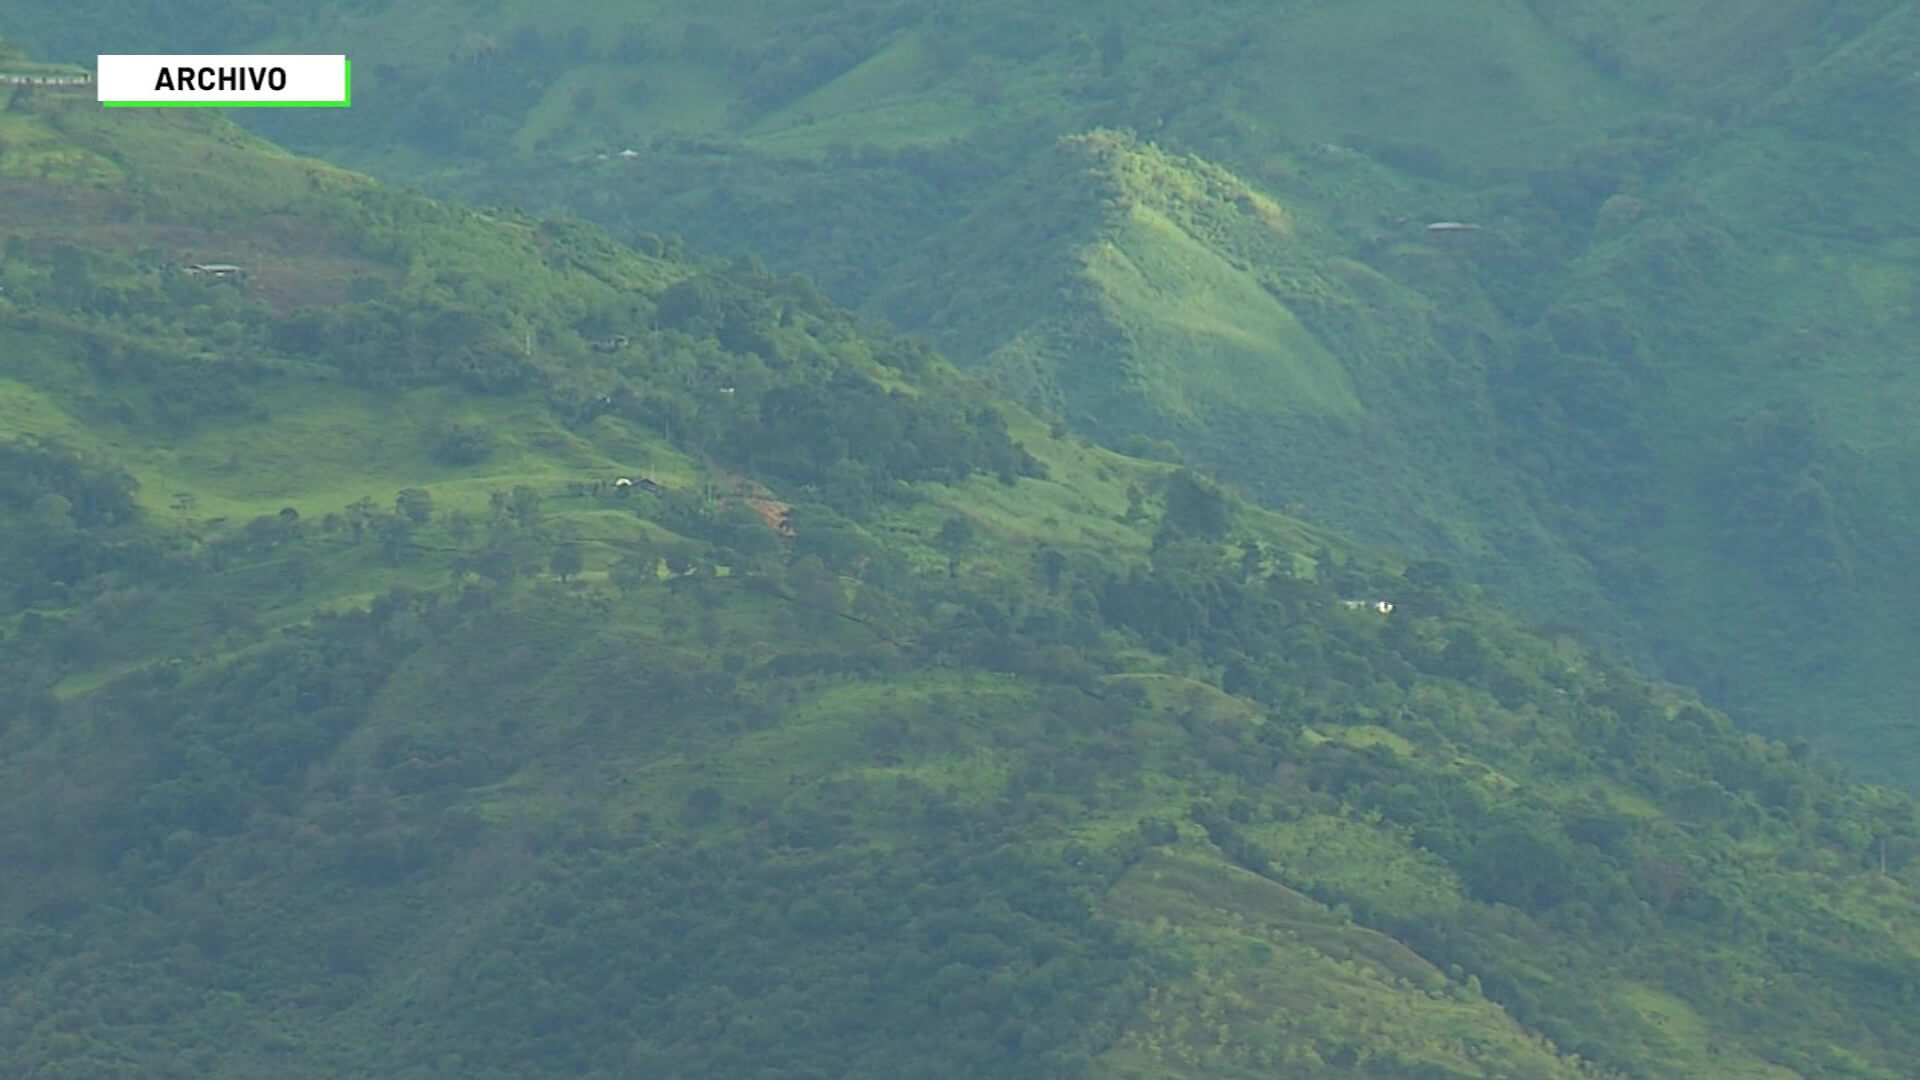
1171, 299
362, 722
1659, 394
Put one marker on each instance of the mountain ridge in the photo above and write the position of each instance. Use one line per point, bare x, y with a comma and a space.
1020, 757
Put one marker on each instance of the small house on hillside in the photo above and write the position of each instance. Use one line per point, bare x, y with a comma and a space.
1378, 607
48, 76
625, 485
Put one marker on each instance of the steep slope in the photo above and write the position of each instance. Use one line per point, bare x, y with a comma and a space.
1139, 293
1738, 327
363, 725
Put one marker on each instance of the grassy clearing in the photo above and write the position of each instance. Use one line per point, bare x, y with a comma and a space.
1215, 333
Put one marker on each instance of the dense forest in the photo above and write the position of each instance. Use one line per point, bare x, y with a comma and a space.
468, 645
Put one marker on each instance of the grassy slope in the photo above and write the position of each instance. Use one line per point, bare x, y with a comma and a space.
1277, 978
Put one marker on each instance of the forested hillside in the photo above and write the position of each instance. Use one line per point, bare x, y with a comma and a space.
461, 645
1659, 393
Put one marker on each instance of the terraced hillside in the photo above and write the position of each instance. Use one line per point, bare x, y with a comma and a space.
362, 722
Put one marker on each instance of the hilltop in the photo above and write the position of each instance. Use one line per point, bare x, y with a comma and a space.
366, 725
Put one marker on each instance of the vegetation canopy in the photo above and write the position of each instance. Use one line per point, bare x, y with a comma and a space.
465, 645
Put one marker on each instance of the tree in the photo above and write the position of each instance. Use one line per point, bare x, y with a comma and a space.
498, 560
1524, 866
51, 518
1251, 556
956, 535
395, 533
1053, 565
462, 444
523, 505
1466, 656
1113, 49
1428, 574
680, 560
527, 42
635, 46
839, 542
635, 569
1195, 506
746, 535
415, 504
703, 805
816, 589
565, 561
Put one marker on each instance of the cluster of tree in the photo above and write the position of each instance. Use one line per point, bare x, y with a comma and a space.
66, 519
411, 340
1784, 505
803, 955
805, 434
